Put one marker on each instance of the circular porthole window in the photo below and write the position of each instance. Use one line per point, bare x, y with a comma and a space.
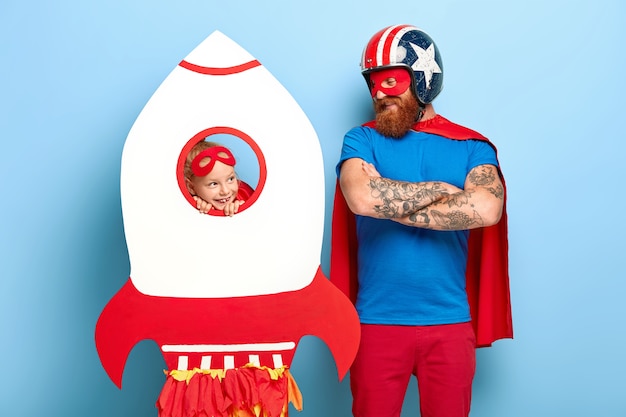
221, 164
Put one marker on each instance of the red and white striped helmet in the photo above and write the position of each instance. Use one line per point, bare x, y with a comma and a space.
411, 48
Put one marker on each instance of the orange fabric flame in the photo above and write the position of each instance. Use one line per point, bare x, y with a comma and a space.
249, 391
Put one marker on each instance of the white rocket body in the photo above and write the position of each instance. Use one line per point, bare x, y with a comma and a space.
272, 246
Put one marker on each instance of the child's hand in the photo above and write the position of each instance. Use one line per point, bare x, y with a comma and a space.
231, 208
201, 205
369, 169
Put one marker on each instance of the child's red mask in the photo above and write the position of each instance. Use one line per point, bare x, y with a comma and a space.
214, 154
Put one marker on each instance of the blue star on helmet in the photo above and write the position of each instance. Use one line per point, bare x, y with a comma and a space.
425, 62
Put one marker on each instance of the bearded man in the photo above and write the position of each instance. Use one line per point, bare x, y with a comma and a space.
419, 187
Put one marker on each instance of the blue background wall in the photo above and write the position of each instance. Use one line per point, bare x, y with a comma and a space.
543, 80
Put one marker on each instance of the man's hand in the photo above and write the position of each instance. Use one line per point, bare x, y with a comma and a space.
370, 169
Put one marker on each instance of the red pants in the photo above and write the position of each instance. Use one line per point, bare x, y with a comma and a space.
443, 359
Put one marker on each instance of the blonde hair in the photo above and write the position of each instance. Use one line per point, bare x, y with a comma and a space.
197, 148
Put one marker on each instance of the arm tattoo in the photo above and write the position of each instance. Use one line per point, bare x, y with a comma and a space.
401, 198
411, 201
455, 220
485, 176
457, 200
482, 176
498, 191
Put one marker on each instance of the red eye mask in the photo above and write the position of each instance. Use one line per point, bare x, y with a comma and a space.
401, 75
214, 154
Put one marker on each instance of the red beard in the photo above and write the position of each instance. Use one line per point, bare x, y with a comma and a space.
396, 123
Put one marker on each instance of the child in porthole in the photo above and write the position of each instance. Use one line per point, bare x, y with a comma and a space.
210, 178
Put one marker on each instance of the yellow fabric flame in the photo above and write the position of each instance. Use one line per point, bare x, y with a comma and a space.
294, 395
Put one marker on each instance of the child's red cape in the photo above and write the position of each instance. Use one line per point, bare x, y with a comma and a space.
487, 265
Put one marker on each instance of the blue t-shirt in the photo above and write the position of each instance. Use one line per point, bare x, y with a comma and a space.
409, 275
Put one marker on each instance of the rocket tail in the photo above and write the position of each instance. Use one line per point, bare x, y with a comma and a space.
339, 327
118, 330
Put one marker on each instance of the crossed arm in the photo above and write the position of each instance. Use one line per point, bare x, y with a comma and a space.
432, 205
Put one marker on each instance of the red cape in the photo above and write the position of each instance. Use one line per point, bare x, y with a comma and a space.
487, 264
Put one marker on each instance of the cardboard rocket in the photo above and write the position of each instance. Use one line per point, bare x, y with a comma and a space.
215, 292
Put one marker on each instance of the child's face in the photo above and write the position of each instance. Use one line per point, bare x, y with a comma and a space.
218, 188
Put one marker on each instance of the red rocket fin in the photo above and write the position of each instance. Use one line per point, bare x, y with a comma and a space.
339, 325
117, 331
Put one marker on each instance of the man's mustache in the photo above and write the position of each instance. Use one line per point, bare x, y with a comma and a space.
381, 104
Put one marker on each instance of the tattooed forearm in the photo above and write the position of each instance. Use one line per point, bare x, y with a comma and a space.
420, 219
403, 198
454, 220
457, 200
445, 207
